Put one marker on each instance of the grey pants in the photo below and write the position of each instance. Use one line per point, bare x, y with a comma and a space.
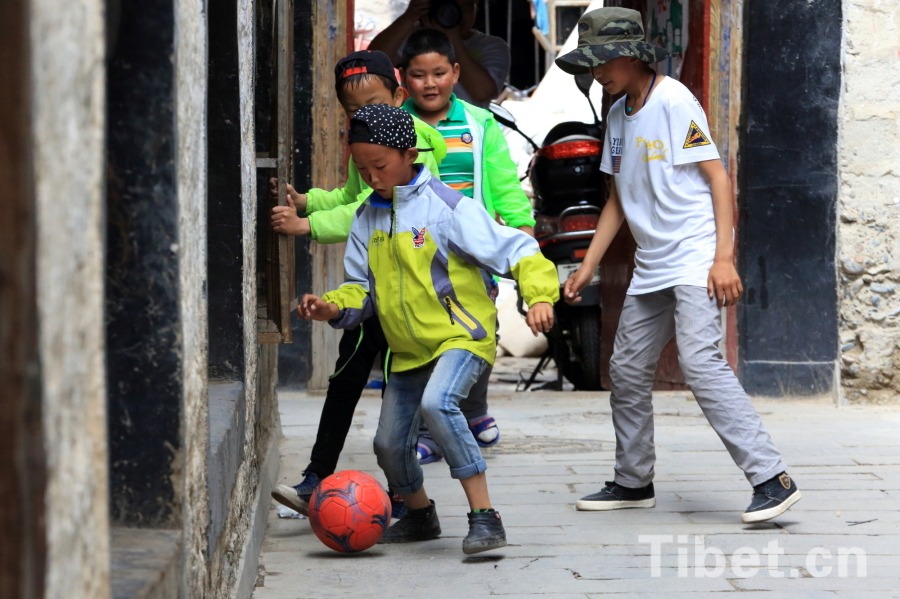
648, 322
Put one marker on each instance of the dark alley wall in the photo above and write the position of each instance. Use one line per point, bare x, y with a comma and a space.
294, 363
142, 268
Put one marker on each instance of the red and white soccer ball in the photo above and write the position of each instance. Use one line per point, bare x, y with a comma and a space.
349, 511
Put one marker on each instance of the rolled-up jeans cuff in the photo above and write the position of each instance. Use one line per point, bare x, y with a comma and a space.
468, 471
409, 489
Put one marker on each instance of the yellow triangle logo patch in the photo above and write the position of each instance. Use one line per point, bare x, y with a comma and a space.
695, 137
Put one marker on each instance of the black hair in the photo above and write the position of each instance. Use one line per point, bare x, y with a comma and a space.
355, 81
358, 130
425, 41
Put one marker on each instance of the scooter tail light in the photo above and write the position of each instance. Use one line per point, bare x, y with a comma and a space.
571, 149
546, 225
579, 222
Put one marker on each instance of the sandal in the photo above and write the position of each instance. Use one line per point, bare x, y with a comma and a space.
485, 431
426, 454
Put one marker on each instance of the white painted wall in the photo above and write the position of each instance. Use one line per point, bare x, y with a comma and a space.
372, 16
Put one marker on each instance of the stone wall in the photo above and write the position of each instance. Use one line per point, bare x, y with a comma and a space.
869, 227
122, 471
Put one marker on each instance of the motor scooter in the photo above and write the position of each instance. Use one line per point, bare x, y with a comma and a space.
569, 193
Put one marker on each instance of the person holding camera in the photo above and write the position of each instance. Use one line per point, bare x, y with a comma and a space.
483, 59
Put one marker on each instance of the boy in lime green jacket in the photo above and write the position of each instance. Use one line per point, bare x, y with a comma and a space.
361, 78
478, 163
329, 214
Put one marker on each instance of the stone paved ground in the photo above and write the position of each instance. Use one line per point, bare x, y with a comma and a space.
557, 447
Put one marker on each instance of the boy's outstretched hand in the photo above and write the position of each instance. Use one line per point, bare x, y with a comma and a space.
285, 219
577, 281
540, 318
312, 307
724, 283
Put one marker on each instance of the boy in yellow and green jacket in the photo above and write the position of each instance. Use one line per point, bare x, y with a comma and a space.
361, 78
417, 259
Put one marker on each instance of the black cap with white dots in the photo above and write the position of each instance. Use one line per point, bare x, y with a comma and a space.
384, 125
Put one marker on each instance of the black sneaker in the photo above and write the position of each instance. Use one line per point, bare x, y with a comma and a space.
485, 533
771, 498
417, 525
616, 497
297, 497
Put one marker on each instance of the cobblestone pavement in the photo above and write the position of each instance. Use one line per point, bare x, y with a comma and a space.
557, 447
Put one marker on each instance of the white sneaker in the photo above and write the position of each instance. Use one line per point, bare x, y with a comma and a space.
288, 496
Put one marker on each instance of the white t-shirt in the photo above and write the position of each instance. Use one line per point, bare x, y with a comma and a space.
492, 53
666, 199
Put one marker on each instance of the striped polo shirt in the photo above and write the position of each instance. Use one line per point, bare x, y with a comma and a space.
458, 167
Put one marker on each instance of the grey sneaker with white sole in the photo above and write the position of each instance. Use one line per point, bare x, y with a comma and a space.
771, 499
616, 497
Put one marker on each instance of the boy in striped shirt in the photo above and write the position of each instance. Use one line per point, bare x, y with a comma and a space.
477, 164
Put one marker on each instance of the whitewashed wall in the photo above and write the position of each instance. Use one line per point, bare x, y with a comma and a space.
869, 218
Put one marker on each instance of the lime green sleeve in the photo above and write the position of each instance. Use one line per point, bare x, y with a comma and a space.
537, 279
501, 180
348, 297
353, 298
319, 199
333, 226
429, 137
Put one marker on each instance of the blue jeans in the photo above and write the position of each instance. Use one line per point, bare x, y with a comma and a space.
430, 394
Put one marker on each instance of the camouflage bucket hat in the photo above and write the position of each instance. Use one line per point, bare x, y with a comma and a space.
605, 34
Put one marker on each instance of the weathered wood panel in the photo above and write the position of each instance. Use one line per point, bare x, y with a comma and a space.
329, 167
22, 460
723, 111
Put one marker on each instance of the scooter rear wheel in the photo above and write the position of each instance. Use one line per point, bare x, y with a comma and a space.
586, 343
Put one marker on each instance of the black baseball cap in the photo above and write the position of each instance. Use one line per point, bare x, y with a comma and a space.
373, 63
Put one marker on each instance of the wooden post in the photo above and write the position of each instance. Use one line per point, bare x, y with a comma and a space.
329, 168
23, 475
724, 111
284, 132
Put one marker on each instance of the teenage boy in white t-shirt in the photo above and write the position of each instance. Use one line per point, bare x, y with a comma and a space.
670, 185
